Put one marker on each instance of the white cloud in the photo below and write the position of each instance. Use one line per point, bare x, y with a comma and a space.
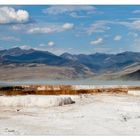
104, 25
67, 26
46, 28
102, 50
41, 30
96, 27
25, 47
117, 37
136, 12
135, 25
55, 10
51, 43
135, 46
9, 38
51, 28
17, 27
42, 45
1, 48
76, 15
101, 26
10, 15
133, 34
97, 41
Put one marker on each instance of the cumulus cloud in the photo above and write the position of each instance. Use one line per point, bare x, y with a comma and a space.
117, 37
97, 41
10, 15
67, 26
51, 28
55, 10
51, 43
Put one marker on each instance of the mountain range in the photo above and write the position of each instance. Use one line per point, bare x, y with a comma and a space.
124, 65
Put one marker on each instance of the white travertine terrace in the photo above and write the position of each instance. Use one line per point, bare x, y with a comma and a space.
34, 101
134, 92
94, 87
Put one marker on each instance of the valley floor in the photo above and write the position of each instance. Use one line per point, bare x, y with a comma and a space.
101, 114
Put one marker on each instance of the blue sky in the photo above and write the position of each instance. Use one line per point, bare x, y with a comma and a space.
75, 29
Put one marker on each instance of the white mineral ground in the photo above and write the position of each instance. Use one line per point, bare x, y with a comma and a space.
100, 114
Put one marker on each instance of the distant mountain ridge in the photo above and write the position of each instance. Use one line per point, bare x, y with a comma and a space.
93, 64
100, 62
133, 75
